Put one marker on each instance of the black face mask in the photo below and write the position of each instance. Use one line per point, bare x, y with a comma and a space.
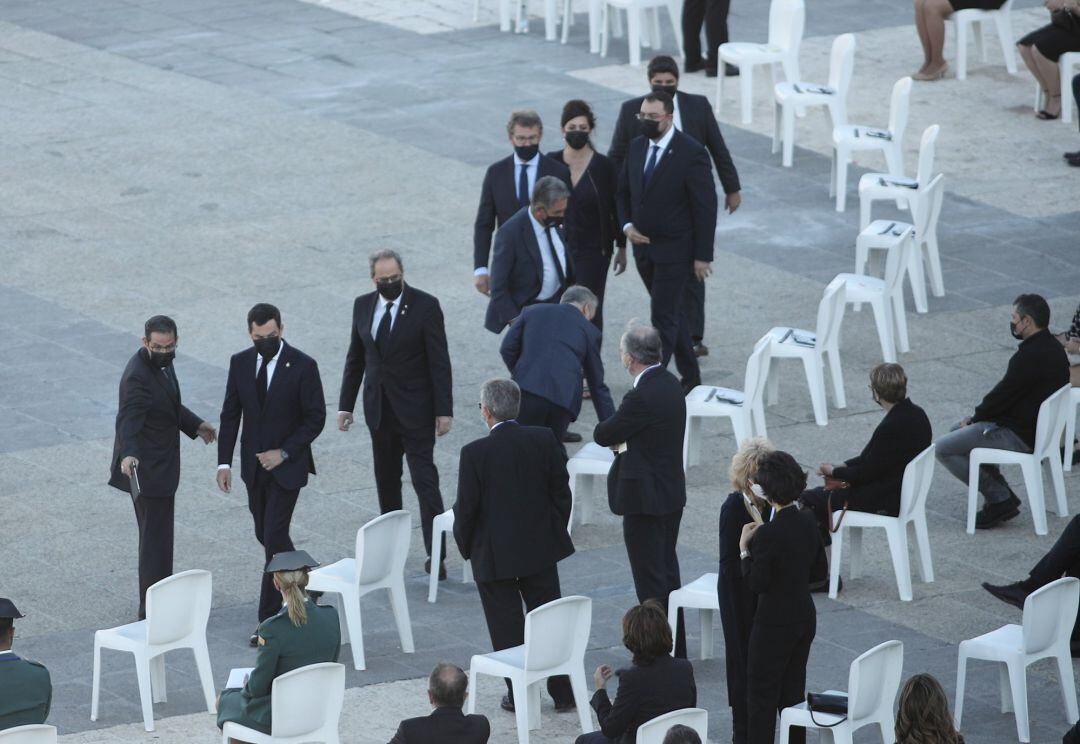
550, 221
526, 152
390, 291
162, 358
577, 139
650, 128
669, 89
267, 347
1015, 334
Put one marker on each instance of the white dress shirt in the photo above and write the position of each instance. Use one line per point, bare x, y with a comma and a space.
675, 118
642, 373
270, 367
380, 311
531, 169
549, 284
662, 143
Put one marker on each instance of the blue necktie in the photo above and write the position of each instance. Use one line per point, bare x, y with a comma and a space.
650, 166
523, 186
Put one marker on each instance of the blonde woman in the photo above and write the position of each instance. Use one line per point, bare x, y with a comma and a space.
302, 633
924, 717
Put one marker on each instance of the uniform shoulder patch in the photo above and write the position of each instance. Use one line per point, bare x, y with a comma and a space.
262, 641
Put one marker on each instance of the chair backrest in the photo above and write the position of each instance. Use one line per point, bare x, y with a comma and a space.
898, 108
654, 730
874, 680
1051, 422
382, 546
557, 632
177, 606
918, 475
830, 313
34, 733
842, 64
895, 261
926, 207
757, 370
307, 700
786, 21
1049, 615
927, 149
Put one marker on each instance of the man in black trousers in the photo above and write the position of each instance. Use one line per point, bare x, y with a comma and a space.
713, 14
646, 483
398, 349
694, 117
667, 208
510, 519
276, 389
148, 425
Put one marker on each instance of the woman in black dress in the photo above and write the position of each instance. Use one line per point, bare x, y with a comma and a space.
590, 221
930, 18
1043, 47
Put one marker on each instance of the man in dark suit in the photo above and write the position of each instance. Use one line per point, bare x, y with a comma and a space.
508, 187
447, 688
530, 263
546, 349
646, 483
398, 349
667, 208
510, 520
148, 425
25, 684
276, 389
694, 117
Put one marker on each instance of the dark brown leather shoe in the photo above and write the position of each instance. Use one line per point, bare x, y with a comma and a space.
1013, 594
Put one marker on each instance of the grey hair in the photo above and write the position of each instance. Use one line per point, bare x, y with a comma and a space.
501, 397
524, 118
549, 190
642, 343
580, 296
448, 685
379, 255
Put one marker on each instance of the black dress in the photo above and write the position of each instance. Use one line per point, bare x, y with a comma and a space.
737, 605
1052, 40
976, 4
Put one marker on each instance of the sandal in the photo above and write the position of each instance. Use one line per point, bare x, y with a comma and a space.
1046, 115
931, 75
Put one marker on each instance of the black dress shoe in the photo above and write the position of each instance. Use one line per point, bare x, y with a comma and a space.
571, 437
507, 704
1074, 162
710, 72
701, 349
730, 70
254, 640
994, 514
565, 707
1072, 155
442, 569
696, 65
1013, 594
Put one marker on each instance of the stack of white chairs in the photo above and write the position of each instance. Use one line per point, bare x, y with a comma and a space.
700, 594
305, 706
886, 297
635, 15
881, 186
653, 731
441, 526
34, 733
589, 464
974, 18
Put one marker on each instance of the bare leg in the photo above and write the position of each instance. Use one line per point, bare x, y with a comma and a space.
936, 13
1027, 54
924, 37
1050, 73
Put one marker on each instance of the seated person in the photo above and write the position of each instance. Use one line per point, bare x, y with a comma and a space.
654, 684
447, 688
1043, 47
679, 734
1007, 415
301, 633
25, 686
1070, 339
875, 476
924, 714
930, 18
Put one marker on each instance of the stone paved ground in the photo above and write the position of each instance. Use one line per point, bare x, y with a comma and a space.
194, 157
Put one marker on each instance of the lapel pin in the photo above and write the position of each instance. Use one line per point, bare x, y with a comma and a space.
287, 364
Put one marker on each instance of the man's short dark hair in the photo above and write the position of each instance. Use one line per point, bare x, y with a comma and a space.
159, 324
448, 685
663, 97
1035, 307
680, 734
263, 313
6, 624
662, 63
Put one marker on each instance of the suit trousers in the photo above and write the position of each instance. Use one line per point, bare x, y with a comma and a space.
390, 442
539, 411
954, 452
694, 308
651, 542
666, 283
155, 519
714, 14
502, 600
591, 270
1063, 559
776, 677
271, 509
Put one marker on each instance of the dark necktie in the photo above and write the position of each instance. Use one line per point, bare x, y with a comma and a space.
523, 186
555, 258
173, 387
260, 382
650, 166
382, 333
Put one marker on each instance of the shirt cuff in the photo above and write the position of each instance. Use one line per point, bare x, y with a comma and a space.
341, 412
480, 271
224, 467
626, 227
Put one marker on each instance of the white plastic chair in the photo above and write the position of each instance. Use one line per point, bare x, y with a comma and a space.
916, 485
851, 138
34, 733
699, 594
635, 9
556, 635
305, 706
177, 611
791, 96
878, 186
786, 21
653, 731
745, 408
873, 681
588, 464
974, 18
1048, 429
382, 545
1049, 614
1070, 425
813, 348
440, 526
886, 297
1067, 64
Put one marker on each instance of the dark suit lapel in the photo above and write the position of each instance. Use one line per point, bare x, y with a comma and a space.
665, 158
533, 247
402, 317
281, 371
365, 321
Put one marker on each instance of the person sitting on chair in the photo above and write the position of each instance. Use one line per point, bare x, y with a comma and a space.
923, 715
25, 685
447, 688
679, 734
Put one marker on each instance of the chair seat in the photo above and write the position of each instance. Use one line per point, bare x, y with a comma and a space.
996, 645
749, 53
706, 400
884, 234
787, 341
243, 733
853, 518
804, 94
858, 137
132, 635
594, 452
1004, 457
336, 574
885, 186
507, 659
698, 594
861, 288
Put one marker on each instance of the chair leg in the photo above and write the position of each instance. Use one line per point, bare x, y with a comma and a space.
1068, 686
933, 265
705, 620
533, 708
916, 277
470, 695
1057, 475
206, 674
1018, 685
815, 380
777, 116
605, 28
633, 34
504, 14
1070, 433
549, 20
883, 319
594, 26
841, 156
581, 698
521, 708
400, 605
675, 16
898, 547
719, 93
95, 693
837, 375
584, 500
922, 539
743, 426
788, 114
437, 558
757, 419
1008, 47
692, 441
350, 607
961, 679
834, 562
746, 90
466, 573
142, 672
973, 493
961, 50
865, 203
899, 316
772, 382
1033, 482
157, 679
855, 561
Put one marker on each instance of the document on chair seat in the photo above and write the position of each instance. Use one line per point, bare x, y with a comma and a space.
238, 678
820, 89
804, 339
907, 183
878, 133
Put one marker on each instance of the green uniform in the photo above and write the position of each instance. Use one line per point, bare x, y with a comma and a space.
25, 691
283, 647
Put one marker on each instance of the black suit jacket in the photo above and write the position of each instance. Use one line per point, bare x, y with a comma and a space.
677, 209
148, 425
517, 270
413, 374
648, 477
877, 473
698, 122
499, 201
645, 692
291, 419
513, 503
444, 726
784, 554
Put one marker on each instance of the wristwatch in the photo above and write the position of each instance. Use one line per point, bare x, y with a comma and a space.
744, 554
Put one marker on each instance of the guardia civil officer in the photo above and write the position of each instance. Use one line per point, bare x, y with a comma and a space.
25, 686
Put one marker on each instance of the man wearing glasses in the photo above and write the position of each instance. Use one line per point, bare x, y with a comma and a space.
148, 423
398, 349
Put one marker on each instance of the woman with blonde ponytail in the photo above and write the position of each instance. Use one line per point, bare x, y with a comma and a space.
302, 633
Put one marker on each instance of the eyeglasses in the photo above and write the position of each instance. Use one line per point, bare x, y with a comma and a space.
388, 279
531, 139
651, 117
163, 349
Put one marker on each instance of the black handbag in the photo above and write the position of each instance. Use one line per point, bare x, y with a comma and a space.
820, 702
